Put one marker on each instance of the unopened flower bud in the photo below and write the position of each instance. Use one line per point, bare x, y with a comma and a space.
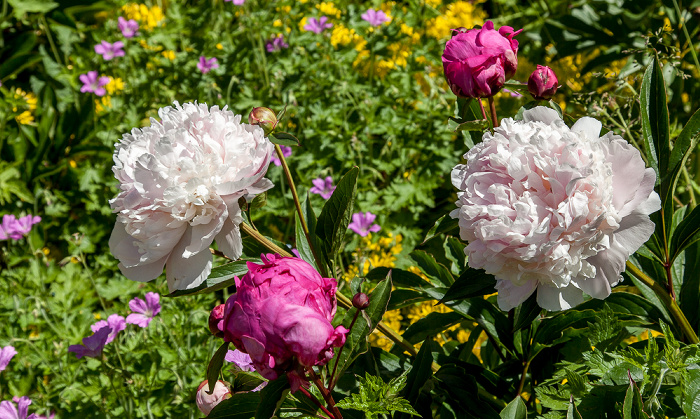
542, 83
207, 402
264, 117
216, 319
360, 301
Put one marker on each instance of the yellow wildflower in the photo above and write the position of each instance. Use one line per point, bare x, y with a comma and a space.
342, 36
328, 9
170, 54
277, 23
114, 86
393, 320
302, 23
27, 116
149, 18
458, 14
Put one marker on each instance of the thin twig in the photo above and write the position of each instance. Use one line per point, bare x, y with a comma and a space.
492, 106
315, 401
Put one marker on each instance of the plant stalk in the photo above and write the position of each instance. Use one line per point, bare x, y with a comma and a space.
669, 302
492, 107
327, 396
315, 401
331, 381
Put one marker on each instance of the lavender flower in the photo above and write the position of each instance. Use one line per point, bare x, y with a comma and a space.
93, 84
128, 27
6, 355
375, 17
317, 25
206, 65
363, 224
92, 345
144, 311
9, 411
237, 2
276, 44
241, 360
286, 152
14, 228
323, 187
109, 51
115, 323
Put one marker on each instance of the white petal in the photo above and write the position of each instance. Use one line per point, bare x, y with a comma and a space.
511, 295
144, 272
187, 272
122, 246
541, 113
589, 126
556, 299
229, 240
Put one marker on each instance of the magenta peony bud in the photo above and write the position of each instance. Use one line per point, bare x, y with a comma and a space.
281, 316
205, 401
360, 301
542, 83
478, 62
264, 117
216, 321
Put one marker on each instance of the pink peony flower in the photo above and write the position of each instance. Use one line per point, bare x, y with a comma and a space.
477, 62
281, 316
542, 83
144, 311
323, 187
6, 355
205, 64
207, 402
109, 51
92, 345
115, 323
93, 84
553, 209
286, 152
9, 411
216, 321
363, 223
128, 27
180, 180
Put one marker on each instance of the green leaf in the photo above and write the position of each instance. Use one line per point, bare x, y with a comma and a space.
215, 364
245, 381
472, 283
515, 409
356, 340
271, 397
336, 213
458, 125
220, 277
239, 406
632, 408
431, 324
444, 225
399, 277
691, 401
687, 233
420, 373
20, 7
283, 138
526, 313
375, 397
432, 268
572, 412
303, 246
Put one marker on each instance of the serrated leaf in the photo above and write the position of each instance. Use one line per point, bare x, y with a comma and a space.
691, 399
239, 406
215, 364
220, 277
336, 213
283, 138
515, 409
271, 397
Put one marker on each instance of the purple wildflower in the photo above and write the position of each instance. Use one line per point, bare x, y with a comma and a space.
323, 187
276, 44
128, 27
362, 224
317, 25
295, 252
6, 355
237, 2
286, 152
241, 360
109, 51
144, 311
206, 65
375, 17
93, 84
9, 411
92, 345
115, 323
14, 228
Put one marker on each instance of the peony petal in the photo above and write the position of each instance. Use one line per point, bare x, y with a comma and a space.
542, 114
589, 126
229, 240
144, 272
556, 299
187, 272
511, 295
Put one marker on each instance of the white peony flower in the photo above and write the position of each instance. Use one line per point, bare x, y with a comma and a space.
553, 209
180, 182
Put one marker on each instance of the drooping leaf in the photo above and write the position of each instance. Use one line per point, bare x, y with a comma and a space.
336, 213
271, 397
438, 272
654, 112
220, 277
283, 138
633, 408
471, 283
687, 233
515, 409
444, 225
526, 313
215, 364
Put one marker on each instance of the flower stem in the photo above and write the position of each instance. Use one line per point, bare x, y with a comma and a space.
522, 379
297, 204
315, 401
264, 241
331, 381
687, 35
492, 107
326, 394
669, 302
481, 106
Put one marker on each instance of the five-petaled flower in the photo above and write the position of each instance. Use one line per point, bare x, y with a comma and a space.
92, 345
92, 83
144, 311
6, 354
109, 51
552, 209
276, 43
205, 64
16, 228
375, 17
363, 223
115, 323
317, 25
128, 27
323, 187
9, 411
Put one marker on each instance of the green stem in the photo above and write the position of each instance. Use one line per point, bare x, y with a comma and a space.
687, 36
300, 213
691, 192
264, 241
669, 302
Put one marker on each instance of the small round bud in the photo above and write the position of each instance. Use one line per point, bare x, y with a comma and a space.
205, 401
542, 83
360, 301
263, 117
216, 319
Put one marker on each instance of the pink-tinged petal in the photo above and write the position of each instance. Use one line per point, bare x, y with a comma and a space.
541, 114
374, 228
187, 272
84, 78
229, 240
138, 319
137, 305
556, 299
8, 410
23, 406
589, 126
153, 300
511, 295
6, 355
